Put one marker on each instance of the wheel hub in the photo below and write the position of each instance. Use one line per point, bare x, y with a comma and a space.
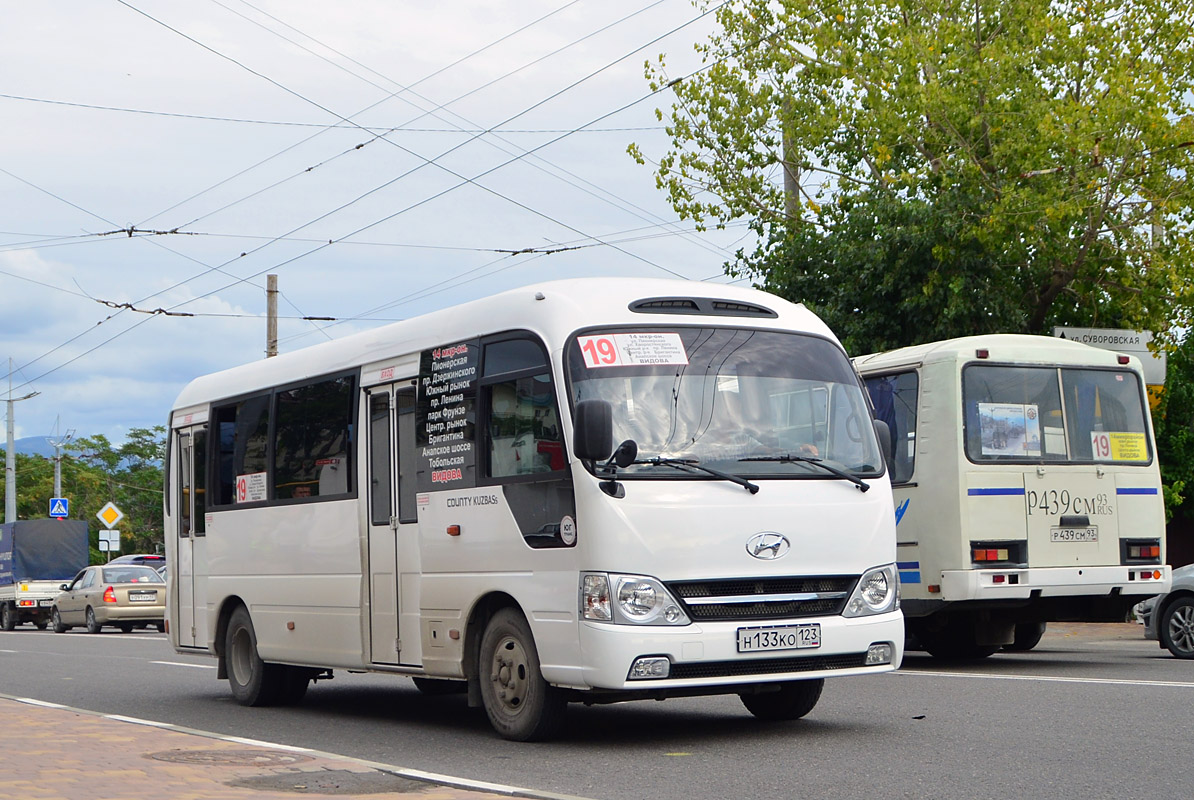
509, 674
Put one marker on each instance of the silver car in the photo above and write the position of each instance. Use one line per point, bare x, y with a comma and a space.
1169, 618
125, 595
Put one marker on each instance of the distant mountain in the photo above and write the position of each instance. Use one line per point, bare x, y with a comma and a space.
32, 446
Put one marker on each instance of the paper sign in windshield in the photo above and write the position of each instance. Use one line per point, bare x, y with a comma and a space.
250, 488
1010, 429
1118, 446
632, 349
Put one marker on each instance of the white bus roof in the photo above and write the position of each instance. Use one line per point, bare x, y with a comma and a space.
551, 309
1000, 347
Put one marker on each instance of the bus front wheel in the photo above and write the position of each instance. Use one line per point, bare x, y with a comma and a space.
520, 704
793, 700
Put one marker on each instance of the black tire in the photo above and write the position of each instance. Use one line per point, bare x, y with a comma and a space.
951, 641
125, 628
41, 624
793, 700
93, 625
8, 620
56, 621
1028, 635
436, 687
1176, 627
521, 705
253, 682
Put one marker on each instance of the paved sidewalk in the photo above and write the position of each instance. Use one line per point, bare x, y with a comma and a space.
55, 753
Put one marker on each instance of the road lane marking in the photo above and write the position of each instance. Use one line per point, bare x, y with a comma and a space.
42, 703
1047, 678
138, 721
184, 664
260, 743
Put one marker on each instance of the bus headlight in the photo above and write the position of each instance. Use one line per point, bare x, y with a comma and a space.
877, 592
628, 600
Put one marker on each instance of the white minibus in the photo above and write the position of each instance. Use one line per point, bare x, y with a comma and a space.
1026, 487
589, 491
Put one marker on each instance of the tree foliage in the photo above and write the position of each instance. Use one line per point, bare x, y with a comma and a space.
95, 472
1173, 423
962, 166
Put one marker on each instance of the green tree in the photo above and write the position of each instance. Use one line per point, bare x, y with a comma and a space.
129, 476
962, 166
1173, 423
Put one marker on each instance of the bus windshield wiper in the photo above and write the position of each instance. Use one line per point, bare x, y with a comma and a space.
789, 458
692, 463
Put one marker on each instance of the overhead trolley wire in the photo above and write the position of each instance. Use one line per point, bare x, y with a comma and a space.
350, 123
433, 161
600, 193
464, 180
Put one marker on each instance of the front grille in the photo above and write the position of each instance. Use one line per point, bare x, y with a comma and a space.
766, 666
749, 599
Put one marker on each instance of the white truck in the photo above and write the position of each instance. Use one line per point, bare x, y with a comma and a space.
36, 557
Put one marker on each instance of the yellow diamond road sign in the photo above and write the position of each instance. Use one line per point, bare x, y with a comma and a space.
110, 515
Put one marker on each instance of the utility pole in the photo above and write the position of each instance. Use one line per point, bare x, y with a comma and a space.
10, 457
271, 316
791, 169
58, 443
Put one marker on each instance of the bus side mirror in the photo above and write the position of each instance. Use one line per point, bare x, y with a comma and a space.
884, 434
593, 430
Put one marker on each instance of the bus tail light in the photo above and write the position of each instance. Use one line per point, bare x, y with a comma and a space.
109, 595
1140, 551
999, 553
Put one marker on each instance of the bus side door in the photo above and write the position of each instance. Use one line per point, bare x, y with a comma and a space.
191, 550
393, 530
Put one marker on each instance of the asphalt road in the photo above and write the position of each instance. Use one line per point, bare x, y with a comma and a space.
1095, 711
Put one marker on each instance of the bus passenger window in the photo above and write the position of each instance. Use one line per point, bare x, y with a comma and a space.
243, 439
313, 439
894, 399
380, 483
521, 445
524, 431
407, 456
200, 481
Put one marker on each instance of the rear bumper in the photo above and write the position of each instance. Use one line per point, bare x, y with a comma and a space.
981, 584
116, 615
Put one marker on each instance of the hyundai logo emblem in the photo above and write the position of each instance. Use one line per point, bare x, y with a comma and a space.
768, 545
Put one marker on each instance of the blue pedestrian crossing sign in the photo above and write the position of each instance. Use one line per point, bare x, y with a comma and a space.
59, 507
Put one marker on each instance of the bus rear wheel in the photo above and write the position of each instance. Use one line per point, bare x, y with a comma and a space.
793, 700
1028, 635
253, 682
952, 639
520, 704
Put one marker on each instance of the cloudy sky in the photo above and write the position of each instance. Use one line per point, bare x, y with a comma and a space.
383, 158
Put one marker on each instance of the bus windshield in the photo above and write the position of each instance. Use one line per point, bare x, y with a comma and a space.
1057, 415
719, 396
